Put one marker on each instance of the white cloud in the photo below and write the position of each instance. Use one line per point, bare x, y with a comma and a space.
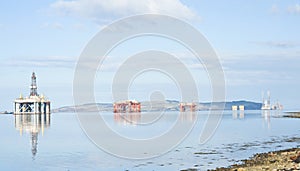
239, 77
79, 26
103, 11
48, 61
294, 9
262, 68
57, 26
276, 44
275, 9
280, 57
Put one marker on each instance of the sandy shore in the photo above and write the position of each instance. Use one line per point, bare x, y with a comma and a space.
283, 160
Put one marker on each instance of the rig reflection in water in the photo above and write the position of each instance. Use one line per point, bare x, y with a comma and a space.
127, 118
142, 118
33, 124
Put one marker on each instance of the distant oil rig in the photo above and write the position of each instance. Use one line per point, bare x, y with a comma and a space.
266, 103
34, 104
185, 106
127, 106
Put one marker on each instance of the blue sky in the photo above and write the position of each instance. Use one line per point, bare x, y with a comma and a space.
257, 43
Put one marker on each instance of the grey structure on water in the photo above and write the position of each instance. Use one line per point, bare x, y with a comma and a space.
34, 104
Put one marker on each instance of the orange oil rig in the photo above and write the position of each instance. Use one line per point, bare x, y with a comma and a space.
127, 106
185, 106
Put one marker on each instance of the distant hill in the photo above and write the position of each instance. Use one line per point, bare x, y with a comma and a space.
90, 107
169, 105
217, 105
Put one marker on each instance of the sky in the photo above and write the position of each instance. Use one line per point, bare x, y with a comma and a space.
257, 42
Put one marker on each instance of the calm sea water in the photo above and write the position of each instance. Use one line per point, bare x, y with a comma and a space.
57, 142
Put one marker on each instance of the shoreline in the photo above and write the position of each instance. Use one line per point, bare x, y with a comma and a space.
292, 115
288, 159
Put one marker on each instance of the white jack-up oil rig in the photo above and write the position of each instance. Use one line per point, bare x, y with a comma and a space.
266, 103
34, 104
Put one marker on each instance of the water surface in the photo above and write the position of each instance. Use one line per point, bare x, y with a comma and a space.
57, 142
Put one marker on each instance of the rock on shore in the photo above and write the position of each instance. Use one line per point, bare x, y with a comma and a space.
284, 160
292, 115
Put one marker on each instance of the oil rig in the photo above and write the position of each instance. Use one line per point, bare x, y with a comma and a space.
266, 102
34, 104
184, 106
127, 106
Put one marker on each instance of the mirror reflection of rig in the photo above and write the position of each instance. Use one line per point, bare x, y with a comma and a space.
34, 104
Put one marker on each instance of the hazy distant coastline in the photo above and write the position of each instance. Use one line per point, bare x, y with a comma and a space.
169, 105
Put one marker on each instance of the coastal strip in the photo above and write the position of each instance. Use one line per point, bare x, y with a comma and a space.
283, 160
292, 115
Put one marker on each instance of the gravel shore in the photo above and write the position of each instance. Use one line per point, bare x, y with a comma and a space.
283, 160
292, 115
